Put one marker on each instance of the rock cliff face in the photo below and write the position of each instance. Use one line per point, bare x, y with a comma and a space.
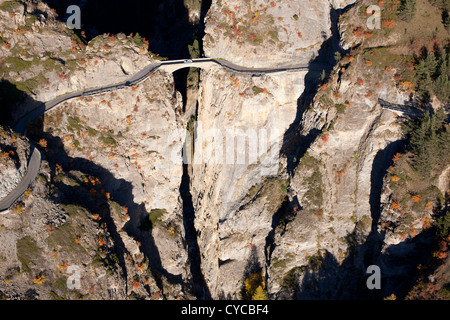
44, 59
237, 208
14, 159
263, 34
97, 204
229, 220
279, 182
310, 225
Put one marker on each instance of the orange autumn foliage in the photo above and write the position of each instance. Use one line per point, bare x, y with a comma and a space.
395, 205
396, 157
358, 32
416, 198
426, 222
388, 23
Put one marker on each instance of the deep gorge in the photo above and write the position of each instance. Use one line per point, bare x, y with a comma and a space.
174, 35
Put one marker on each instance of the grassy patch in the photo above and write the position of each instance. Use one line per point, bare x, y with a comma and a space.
155, 215
17, 64
10, 6
107, 141
92, 132
340, 108
257, 90
314, 195
27, 252
64, 237
74, 124
152, 219
74, 210
315, 189
365, 223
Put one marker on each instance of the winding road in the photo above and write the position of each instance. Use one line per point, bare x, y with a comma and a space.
34, 161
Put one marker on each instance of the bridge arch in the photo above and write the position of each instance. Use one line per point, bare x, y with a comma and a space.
172, 67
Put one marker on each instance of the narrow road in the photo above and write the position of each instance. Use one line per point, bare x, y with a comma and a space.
35, 158
34, 164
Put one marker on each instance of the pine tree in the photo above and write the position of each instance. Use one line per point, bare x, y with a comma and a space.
407, 10
429, 142
442, 88
431, 63
260, 294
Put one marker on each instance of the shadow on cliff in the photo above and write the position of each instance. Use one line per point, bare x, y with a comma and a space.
199, 286
381, 163
93, 196
294, 143
10, 95
325, 278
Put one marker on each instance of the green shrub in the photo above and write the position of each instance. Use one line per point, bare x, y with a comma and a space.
340, 108
289, 281
74, 124
137, 39
257, 90
108, 141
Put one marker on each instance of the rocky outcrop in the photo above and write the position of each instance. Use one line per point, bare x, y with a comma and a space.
14, 154
49, 60
268, 34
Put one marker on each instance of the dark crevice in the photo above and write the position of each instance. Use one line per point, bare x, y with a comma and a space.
294, 143
224, 262
199, 287
381, 163
166, 24
282, 215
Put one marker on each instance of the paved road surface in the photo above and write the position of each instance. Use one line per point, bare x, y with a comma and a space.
34, 165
